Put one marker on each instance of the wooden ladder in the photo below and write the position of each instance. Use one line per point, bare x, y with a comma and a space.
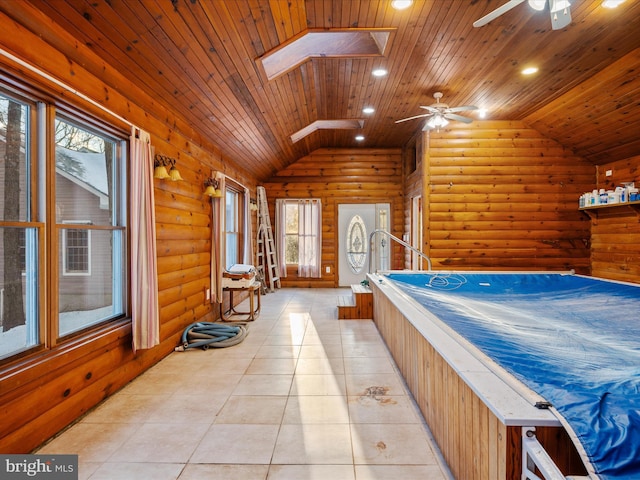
267, 256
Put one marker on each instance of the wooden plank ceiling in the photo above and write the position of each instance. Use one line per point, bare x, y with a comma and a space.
200, 58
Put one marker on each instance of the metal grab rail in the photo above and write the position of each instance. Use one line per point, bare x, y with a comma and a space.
401, 242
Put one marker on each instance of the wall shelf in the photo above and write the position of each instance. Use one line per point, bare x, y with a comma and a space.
595, 210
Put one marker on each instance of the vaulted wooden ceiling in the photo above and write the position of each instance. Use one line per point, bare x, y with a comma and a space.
201, 58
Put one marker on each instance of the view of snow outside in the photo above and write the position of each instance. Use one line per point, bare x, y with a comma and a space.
69, 322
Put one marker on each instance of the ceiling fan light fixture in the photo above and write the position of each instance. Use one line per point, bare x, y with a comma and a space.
437, 121
438, 114
537, 4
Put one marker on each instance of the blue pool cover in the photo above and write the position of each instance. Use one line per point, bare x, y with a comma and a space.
574, 340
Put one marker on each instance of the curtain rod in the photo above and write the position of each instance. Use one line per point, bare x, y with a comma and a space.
59, 83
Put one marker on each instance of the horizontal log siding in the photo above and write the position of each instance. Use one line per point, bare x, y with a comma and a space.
501, 196
615, 231
340, 176
46, 391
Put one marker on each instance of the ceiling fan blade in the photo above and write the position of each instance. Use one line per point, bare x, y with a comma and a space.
414, 117
431, 108
457, 118
497, 12
560, 14
462, 108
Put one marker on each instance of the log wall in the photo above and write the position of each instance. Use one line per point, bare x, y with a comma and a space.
501, 196
340, 176
44, 391
615, 231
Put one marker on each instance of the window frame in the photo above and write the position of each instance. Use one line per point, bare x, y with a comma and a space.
118, 225
299, 268
31, 224
41, 225
237, 192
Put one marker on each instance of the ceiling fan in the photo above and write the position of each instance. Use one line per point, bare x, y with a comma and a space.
559, 9
440, 113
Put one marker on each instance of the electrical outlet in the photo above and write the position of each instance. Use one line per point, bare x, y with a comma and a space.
608, 173
207, 294
327, 269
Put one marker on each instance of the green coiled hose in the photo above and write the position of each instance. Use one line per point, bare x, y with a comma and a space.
209, 334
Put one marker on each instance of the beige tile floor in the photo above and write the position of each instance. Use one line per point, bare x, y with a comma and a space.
304, 396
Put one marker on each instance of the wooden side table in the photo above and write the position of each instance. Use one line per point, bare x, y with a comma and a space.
254, 306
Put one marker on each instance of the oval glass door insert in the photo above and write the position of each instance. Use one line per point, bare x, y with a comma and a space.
356, 244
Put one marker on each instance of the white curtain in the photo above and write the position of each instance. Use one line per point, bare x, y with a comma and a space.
309, 236
248, 230
144, 269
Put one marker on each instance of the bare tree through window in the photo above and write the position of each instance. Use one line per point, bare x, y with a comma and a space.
13, 313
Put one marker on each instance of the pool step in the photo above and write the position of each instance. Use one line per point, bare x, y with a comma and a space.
358, 305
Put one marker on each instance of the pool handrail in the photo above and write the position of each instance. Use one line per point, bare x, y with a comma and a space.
401, 242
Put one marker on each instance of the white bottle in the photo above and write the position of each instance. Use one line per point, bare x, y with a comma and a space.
603, 197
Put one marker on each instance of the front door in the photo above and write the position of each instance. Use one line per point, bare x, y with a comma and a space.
355, 224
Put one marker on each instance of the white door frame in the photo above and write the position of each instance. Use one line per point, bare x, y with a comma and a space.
374, 216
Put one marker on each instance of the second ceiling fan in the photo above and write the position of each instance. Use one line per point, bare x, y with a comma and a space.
440, 113
559, 9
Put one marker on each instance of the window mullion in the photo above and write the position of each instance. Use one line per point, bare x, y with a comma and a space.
51, 260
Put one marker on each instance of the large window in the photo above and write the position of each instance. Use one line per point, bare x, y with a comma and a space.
88, 186
299, 222
63, 213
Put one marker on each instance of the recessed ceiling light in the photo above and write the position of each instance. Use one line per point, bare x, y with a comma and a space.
482, 113
612, 3
529, 70
368, 110
379, 72
401, 4
359, 138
